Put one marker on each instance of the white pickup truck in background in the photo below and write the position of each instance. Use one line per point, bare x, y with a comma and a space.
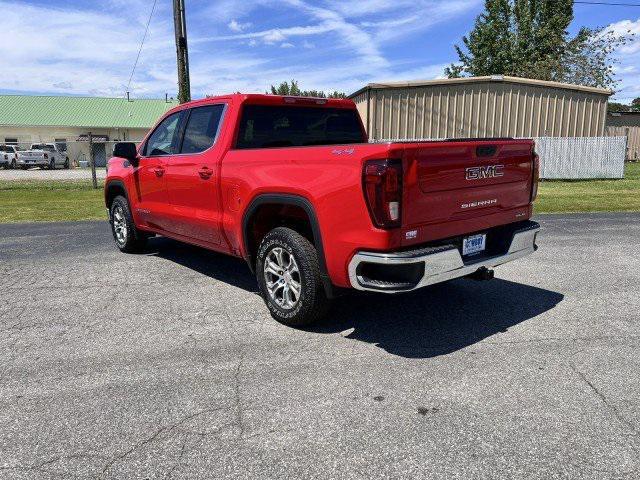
9, 156
43, 155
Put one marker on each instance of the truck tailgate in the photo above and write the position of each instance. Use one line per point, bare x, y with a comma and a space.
32, 155
456, 180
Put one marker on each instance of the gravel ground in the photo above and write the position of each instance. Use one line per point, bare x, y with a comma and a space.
167, 365
59, 174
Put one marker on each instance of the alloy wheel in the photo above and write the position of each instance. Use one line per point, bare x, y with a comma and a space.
282, 278
120, 225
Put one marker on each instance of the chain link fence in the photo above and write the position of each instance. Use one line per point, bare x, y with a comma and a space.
560, 158
571, 158
576, 158
69, 160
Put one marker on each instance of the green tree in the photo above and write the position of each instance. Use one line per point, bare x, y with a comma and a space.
488, 49
293, 89
618, 107
635, 104
530, 38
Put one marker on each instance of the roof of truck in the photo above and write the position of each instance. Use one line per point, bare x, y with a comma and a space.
268, 99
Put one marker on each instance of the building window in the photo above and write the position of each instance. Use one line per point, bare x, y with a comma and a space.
61, 143
11, 141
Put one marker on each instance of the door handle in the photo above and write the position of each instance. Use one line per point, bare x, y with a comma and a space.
159, 171
205, 173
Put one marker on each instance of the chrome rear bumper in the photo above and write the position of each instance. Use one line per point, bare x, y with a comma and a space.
440, 263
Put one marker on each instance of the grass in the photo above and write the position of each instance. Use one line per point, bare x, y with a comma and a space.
41, 201
623, 195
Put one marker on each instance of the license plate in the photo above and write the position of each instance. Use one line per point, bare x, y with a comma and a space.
474, 244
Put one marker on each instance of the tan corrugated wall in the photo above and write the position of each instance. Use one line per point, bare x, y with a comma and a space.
633, 139
484, 109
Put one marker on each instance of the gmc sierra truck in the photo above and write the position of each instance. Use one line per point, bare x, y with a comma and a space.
292, 185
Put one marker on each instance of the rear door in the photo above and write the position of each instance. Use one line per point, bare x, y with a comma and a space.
149, 178
458, 180
192, 176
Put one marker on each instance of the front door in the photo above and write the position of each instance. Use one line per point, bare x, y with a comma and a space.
192, 177
152, 206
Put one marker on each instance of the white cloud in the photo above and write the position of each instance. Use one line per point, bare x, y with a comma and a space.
235, 26
274, 36
80, 51
629, 57
87, 51
390, 23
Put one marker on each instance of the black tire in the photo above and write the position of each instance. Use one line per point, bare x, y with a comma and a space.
52, 164
128, 239
66, 163
13, 164
311, 304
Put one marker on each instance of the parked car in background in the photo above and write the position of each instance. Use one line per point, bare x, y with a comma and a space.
292, 185
9, 156
43, 155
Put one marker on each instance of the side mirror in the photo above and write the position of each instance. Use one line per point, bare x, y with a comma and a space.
127, 150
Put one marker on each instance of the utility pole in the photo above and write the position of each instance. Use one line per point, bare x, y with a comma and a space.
182, 52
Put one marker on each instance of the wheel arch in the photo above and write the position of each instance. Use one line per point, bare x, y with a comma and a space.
285, 199
112, 189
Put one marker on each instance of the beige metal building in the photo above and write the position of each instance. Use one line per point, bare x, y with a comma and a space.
626, 124
495, 106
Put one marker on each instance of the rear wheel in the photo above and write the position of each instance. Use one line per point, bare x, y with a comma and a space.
13, 164
127, 237
52, 164
66, 163
288, 273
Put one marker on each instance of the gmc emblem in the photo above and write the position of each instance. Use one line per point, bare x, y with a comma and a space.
490, 171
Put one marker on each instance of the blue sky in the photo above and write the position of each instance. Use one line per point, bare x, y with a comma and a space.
89, 47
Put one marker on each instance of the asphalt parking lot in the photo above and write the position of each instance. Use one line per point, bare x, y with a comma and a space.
167, 365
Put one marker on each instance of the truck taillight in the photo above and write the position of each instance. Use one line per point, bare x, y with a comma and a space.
382, 184
46, 156
536, 176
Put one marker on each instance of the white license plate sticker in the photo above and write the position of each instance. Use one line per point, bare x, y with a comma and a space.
474, 244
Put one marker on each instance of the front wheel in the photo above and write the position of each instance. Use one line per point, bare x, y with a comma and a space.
288, 273
127, 237
13, 164
66, 163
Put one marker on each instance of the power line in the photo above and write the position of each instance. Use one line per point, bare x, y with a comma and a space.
144, 38
616, 4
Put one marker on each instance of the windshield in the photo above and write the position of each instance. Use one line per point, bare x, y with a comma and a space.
42, 146
264, 126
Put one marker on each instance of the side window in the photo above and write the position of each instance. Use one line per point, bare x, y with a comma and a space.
202, 128
164, 138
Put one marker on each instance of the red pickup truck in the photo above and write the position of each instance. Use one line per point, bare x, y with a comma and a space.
292, 186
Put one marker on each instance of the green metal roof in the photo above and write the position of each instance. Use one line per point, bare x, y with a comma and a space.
97, 112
